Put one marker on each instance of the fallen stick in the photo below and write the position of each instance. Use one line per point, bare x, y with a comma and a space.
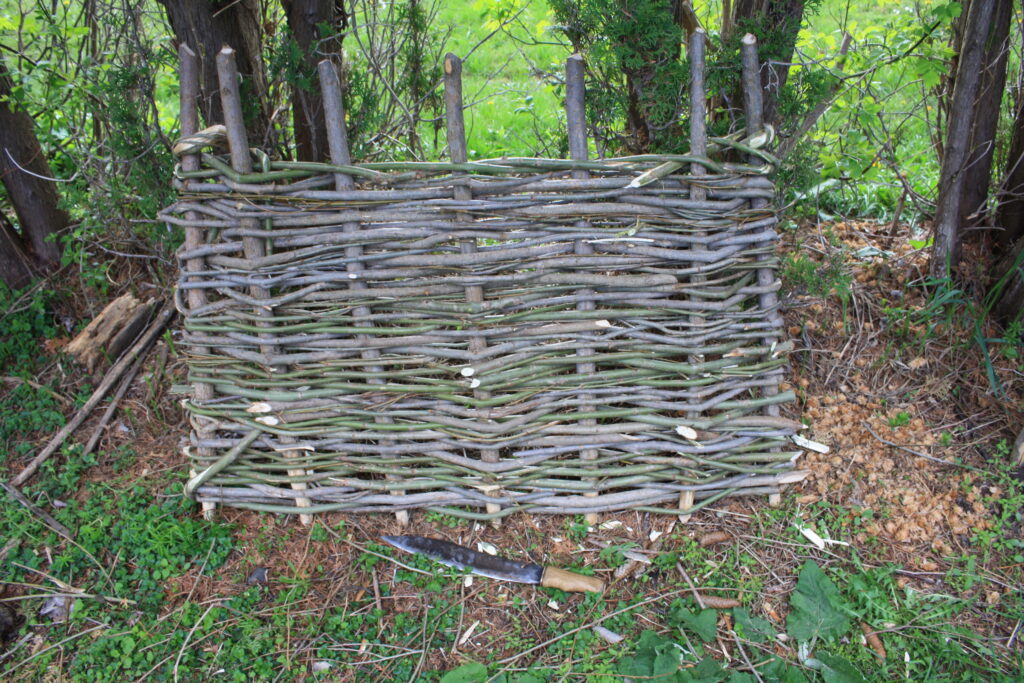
122, 389
919, 454
154, 330
38, 512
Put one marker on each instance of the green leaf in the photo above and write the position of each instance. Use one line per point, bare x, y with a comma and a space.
781, 671
815, 607
838, 670
703, 624
665, 663
470, 672
752, 628
655, 655
707, 671
525, 677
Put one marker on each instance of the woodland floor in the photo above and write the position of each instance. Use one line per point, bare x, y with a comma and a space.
916, 503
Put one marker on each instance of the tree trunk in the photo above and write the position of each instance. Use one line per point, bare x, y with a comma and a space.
1009, 306
1010, 213
978, 172
1010, 217
208, 25
776, 25
946, 250
15, 265
25, 173
305, 19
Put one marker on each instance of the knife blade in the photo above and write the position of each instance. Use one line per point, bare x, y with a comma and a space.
460, 557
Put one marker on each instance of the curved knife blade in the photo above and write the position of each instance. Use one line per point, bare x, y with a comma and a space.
460, 557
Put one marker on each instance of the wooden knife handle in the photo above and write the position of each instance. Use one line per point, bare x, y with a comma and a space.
570, 582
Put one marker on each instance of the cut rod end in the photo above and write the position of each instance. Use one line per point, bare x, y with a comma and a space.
452, 64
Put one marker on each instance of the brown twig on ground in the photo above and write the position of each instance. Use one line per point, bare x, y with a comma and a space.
913, 452
155, 329
363, 549
588, 625
37, 512
122, 389
696, 595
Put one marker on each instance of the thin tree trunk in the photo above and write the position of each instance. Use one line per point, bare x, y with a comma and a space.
776, 25
1010, 304
15, 266
1010, 214
1010, 217
26, 175
992, 83
305, 20
946, 250
208, 25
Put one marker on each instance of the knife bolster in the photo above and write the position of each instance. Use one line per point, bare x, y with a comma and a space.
570, 582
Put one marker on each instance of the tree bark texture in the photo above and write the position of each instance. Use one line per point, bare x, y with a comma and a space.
991, 84
306, 19
946, 250
15, 268
1009, 306
36, 202
208, 25
1010, 211
775, 24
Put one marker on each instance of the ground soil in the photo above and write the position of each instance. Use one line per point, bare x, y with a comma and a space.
907, 411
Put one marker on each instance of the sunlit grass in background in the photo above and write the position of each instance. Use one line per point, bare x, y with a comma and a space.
516, 105
515, 110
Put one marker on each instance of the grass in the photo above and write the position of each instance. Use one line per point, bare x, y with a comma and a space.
512, 83
157, 590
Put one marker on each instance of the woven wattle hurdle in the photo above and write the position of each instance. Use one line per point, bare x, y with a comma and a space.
478, 338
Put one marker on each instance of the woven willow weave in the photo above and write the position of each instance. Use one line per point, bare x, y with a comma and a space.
374, 363
479, 338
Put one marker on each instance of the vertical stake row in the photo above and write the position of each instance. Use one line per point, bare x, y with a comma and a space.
194, 238
456, 131
753, 105
337, 140
576, 128
698, 148
253, 247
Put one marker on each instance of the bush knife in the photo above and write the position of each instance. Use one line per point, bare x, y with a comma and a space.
459, 557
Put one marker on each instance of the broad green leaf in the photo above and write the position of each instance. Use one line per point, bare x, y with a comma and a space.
655, 655
752, 628
665, 663
815, 604
470, 672
781, 671
707, 671
703, 623
525, 677
838, 670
